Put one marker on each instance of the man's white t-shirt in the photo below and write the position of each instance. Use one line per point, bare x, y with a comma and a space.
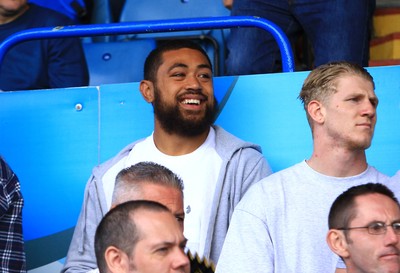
199, 171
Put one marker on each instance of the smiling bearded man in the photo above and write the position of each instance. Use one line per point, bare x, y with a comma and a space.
216, 167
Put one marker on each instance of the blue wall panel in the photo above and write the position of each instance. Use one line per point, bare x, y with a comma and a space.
264, 109
51, 146
125, 117
384, 153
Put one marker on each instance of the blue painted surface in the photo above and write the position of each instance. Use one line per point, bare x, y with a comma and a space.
52, 146
126, 57
125, 117
264, 109
385, 150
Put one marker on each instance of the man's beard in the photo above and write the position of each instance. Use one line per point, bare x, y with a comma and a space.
173, 121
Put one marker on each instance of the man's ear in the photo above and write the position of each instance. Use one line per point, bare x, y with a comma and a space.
117, 261
337, 243
147, 90
316, 111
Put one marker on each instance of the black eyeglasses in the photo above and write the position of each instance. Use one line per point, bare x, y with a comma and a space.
377, 228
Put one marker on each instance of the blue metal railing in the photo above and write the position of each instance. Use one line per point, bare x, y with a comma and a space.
156, 26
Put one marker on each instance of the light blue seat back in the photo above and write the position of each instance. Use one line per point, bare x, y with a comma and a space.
213, 41
137, 10
101, 14
117, 62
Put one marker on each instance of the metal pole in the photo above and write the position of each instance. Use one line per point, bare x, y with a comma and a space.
156, 26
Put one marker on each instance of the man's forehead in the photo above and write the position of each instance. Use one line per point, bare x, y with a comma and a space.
151, 187
373, 204
160, 193
351, 85
180, 56
156, 223
354, 79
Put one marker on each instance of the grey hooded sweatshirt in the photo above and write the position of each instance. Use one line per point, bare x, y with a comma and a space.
243, 165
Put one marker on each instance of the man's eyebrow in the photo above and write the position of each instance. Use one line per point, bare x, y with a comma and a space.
359, 94
383, 222
163, 244
167, 243
204, 66
175, 65
374, 100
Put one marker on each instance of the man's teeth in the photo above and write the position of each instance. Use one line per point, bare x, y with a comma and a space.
191, 101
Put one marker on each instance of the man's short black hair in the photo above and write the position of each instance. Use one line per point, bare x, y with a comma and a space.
154, 59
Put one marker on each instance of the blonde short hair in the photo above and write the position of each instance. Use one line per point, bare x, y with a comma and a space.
321, 83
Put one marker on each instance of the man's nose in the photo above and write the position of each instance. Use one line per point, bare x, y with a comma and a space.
391, 238
369, 109
192, 82
181, 261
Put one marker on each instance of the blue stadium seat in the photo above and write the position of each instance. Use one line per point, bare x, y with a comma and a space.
138, 10
101, 12
117, 62
106, 11
212, 40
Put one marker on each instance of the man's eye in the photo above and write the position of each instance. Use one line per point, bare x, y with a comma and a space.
376, 227
178, 75
179, 218
162, 250
374, 103
205, 76
396, 227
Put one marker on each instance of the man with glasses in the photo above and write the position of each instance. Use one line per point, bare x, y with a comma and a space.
364, 229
